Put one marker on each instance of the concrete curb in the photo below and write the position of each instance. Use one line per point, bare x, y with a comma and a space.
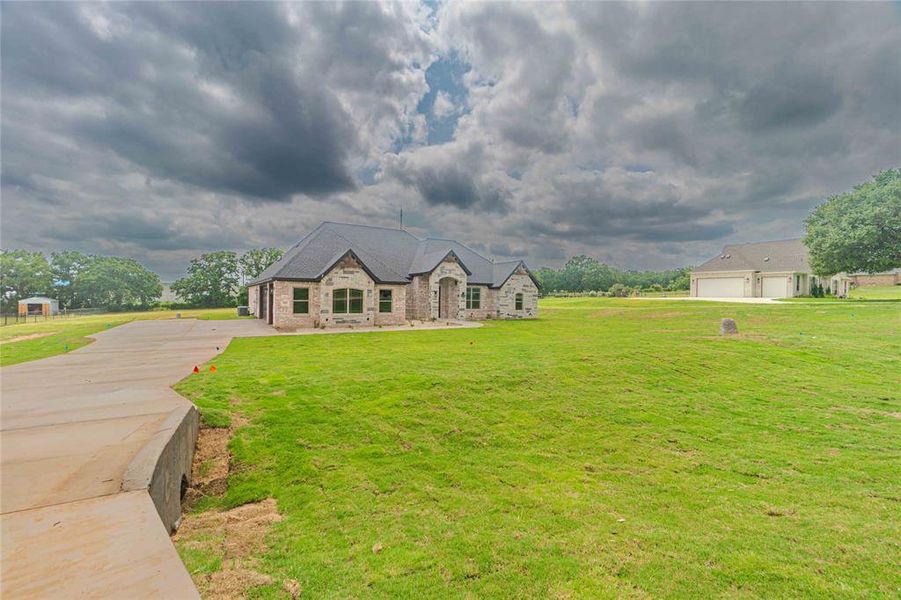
163, 466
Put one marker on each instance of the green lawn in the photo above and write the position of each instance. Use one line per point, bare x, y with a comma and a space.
888, 293
877, 292
612, 448
58, 336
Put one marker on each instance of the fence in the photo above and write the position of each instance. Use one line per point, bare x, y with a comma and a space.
17, 319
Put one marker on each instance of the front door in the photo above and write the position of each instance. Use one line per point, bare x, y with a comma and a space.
269, 309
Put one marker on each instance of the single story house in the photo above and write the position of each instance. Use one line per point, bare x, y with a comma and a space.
358, 275
777, 269
892, 277
38, 305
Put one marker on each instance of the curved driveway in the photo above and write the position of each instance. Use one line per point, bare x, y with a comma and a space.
69, 429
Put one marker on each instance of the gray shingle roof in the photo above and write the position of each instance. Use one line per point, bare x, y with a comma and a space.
390, 255
777, 256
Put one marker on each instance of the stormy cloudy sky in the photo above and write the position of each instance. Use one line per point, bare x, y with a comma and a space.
645, 134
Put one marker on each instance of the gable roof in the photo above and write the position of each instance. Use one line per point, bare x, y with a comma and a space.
775, 256
505, 270
389, 255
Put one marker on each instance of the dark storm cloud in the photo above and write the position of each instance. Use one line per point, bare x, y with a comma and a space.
647, 134
452, 187
789, 99
152, 232
589, 212
215, 97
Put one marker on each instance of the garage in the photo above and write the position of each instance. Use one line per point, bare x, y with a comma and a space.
775, 287
721, 287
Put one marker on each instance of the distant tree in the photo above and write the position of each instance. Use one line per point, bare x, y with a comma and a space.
23, 274
619, 290
66, 267
859, 230
213, 280
116, 283
548, 279
583, 273
255, 260
681, 281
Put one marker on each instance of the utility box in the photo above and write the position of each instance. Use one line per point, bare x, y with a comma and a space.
243, 311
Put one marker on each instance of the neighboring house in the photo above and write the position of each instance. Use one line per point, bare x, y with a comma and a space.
761, 270
346, 275
38, 305
892, 277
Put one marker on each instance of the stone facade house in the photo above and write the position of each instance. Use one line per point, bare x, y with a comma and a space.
778, 269
355, 275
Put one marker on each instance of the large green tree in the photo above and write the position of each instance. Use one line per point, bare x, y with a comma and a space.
67, 266
23, 274
213, 280
116, 283
859, 230
255, 260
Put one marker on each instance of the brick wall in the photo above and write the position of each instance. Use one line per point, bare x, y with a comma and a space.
418, 303
877, 279
283, 316
347, 274
253, 299
398, 314
519, 282
487, 306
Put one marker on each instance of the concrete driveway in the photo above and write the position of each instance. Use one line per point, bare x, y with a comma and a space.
732, 300
74, 435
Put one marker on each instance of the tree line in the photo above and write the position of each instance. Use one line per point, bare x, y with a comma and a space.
79, 280
583, 274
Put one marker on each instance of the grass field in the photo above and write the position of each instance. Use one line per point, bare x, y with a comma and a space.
886, 293
877, 292
612, 448
31, 341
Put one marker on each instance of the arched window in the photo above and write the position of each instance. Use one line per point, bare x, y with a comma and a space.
347, 300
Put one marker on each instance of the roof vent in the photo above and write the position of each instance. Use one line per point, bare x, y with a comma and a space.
723, 256
766, 259
728, 256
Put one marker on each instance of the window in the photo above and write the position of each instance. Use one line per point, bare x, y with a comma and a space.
346, 300
473, 298
384, 301
301, 301
518, 300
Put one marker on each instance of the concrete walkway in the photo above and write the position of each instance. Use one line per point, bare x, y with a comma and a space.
84, 437
80, 438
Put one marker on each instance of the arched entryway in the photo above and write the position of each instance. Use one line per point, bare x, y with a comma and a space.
448, 298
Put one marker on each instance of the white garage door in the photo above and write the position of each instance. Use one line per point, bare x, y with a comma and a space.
775, 287
721, 287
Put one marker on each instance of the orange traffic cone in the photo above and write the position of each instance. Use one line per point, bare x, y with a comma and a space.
196, 370
212, 368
